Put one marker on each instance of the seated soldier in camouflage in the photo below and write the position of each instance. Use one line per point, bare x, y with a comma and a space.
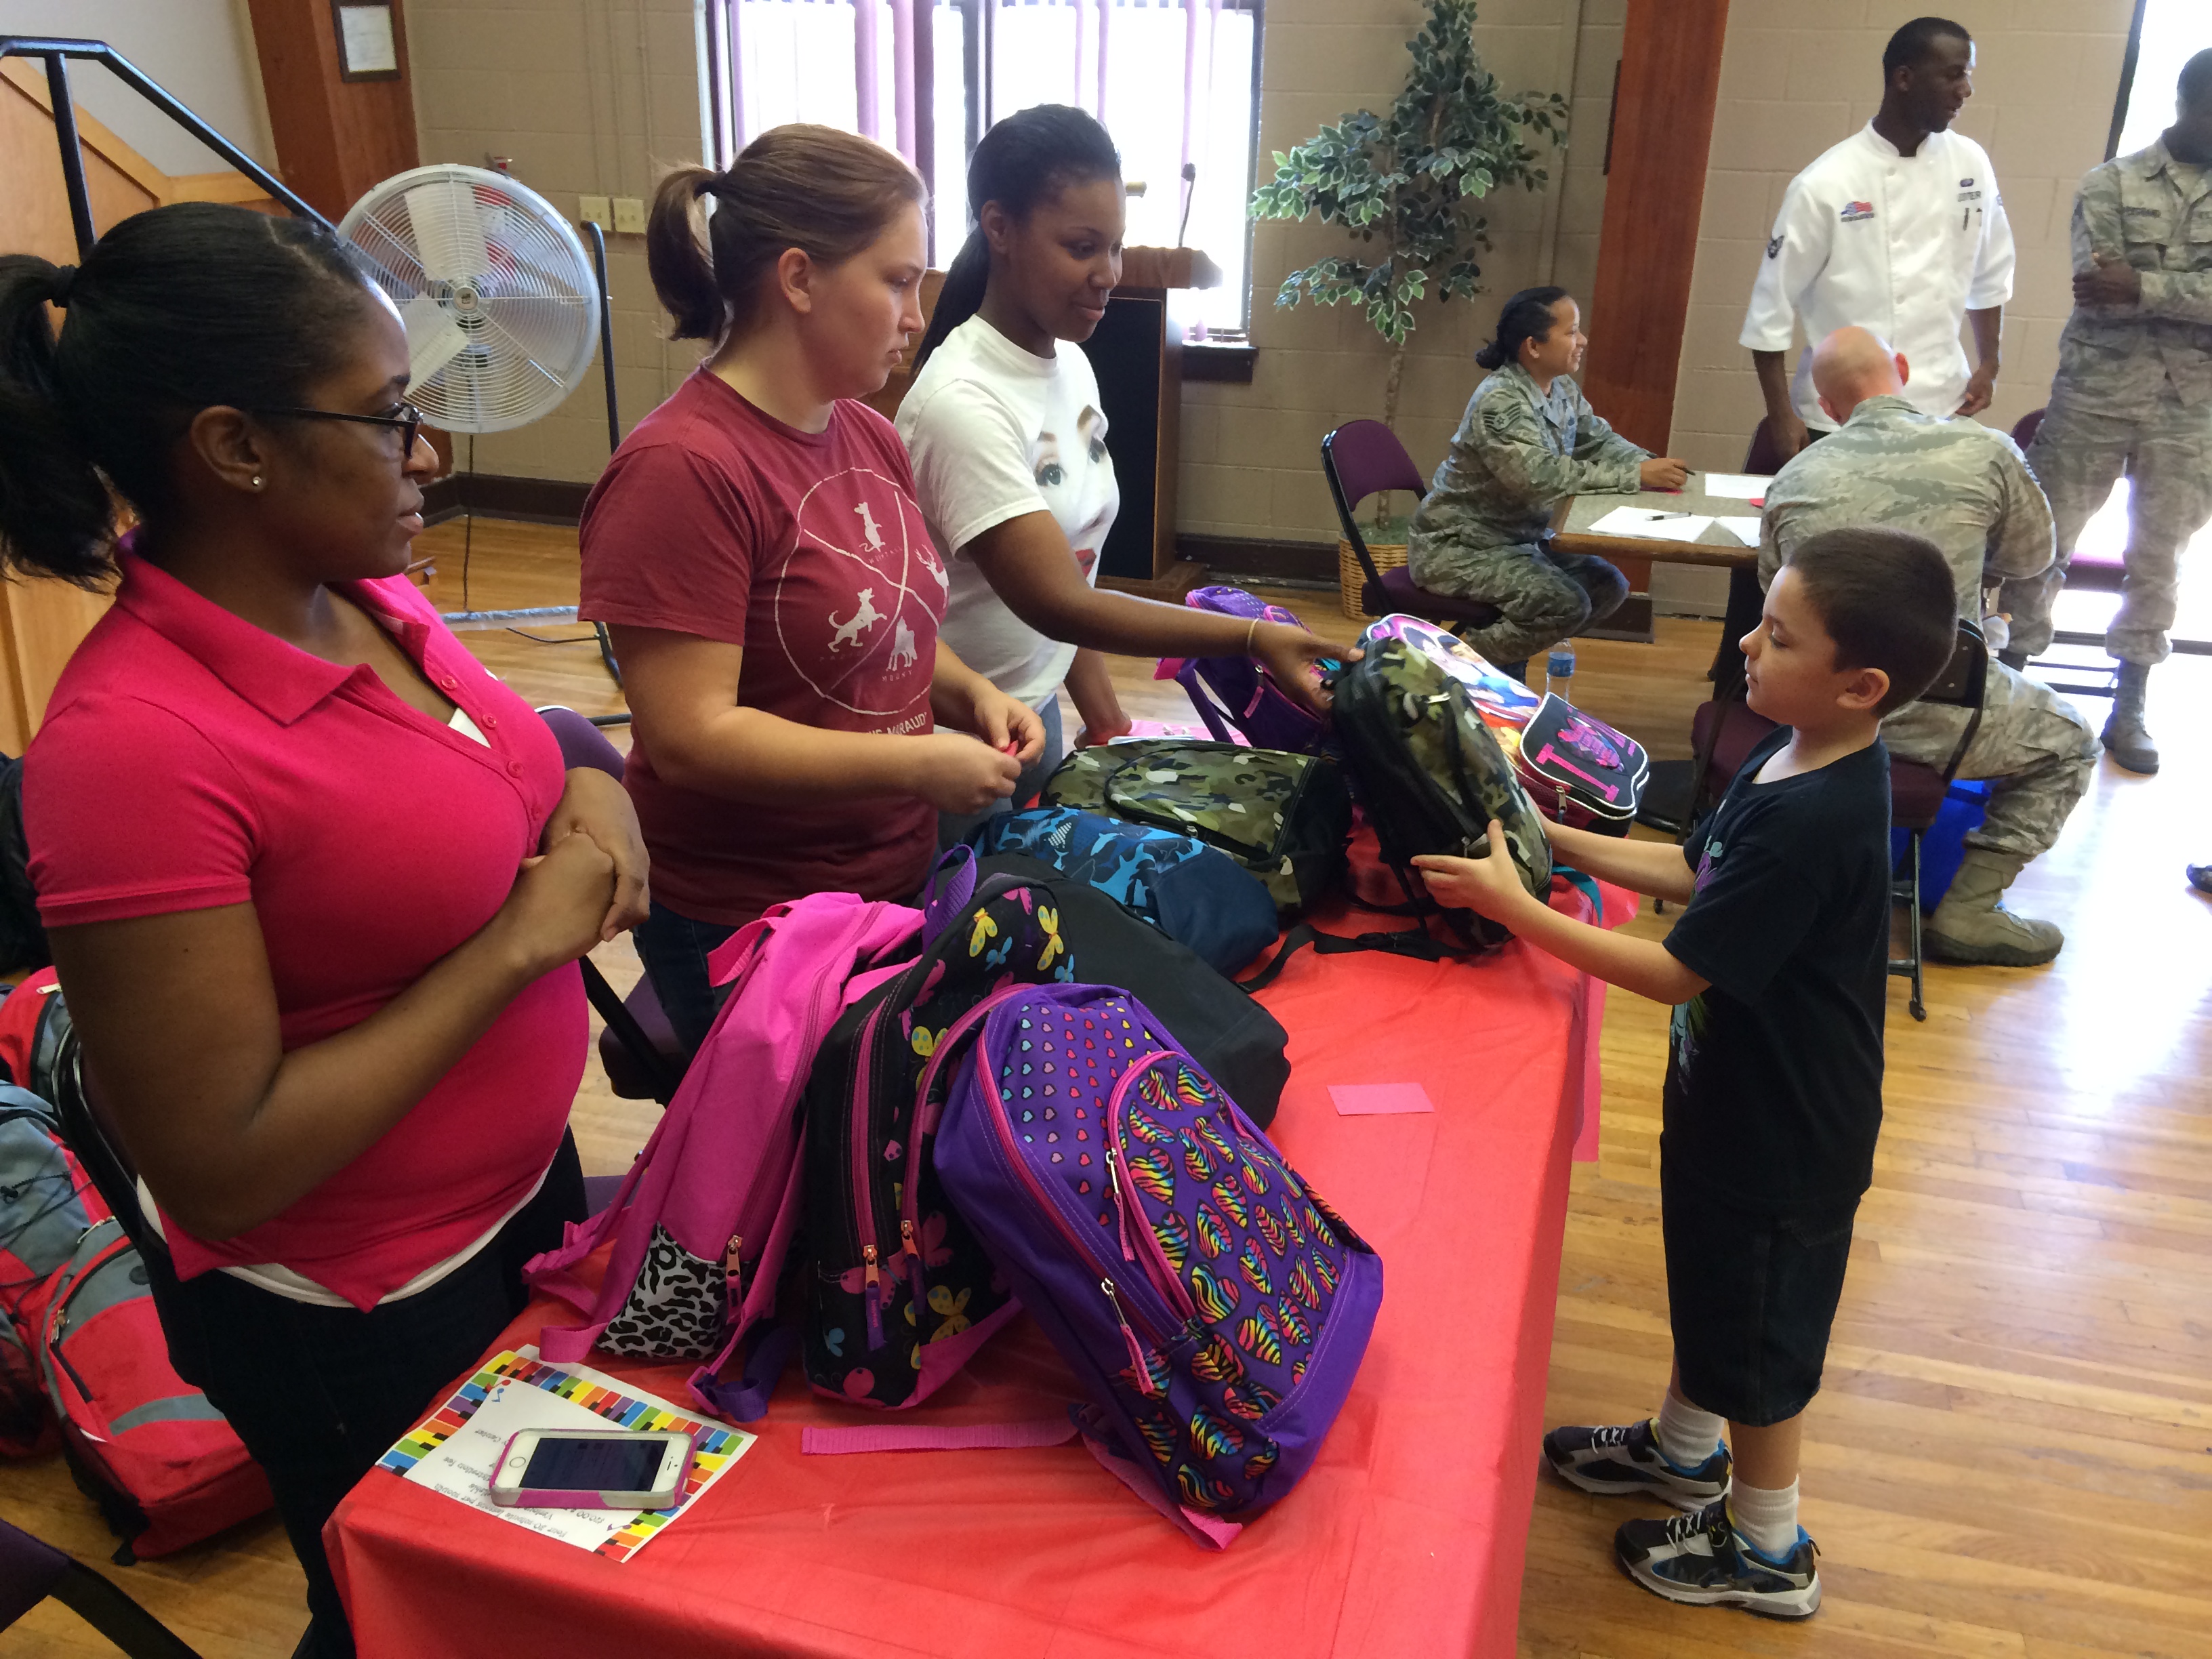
1965, 489
1528, 441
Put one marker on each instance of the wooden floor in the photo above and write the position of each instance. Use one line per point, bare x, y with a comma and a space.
2012, 1455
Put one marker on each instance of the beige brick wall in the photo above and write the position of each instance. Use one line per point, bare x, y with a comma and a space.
1250, 453
594, 97
1797, 77
566, 88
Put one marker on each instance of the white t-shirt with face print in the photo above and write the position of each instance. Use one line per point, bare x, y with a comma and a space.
996, 432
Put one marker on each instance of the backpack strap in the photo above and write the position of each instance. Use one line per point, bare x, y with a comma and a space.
745, 1401
819, 1442
1406, 942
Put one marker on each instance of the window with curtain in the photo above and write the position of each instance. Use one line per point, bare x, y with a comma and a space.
1173, 80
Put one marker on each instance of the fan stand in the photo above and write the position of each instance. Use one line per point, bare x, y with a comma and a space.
560, 613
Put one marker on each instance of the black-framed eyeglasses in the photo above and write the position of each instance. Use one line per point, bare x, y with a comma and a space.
407, 423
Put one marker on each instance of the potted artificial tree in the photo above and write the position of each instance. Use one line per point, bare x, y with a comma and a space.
1408, 186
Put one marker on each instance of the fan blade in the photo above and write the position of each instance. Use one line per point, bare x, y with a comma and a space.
433, 339
448, 230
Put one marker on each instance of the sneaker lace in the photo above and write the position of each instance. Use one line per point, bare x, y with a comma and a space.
1712, 1518
1613, 1434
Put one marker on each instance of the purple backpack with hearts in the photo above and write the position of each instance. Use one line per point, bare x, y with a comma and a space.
1234, 695
1211, 1303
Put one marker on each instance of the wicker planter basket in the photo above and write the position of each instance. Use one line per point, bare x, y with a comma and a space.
1386, 545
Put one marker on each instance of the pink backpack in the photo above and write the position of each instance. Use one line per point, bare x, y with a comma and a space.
705, 1216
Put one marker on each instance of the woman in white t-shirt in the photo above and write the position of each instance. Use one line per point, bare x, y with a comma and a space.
1009, 445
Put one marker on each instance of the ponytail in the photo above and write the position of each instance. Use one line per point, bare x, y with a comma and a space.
825, 192
1028, 158
676, 258
961, 297
1526, 316
54, 512
175, 310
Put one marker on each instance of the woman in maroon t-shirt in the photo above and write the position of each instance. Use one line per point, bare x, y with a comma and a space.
756, 549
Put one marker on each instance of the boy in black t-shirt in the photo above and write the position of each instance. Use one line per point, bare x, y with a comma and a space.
1778, 969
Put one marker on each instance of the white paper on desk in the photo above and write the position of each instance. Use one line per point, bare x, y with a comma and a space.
461, 1466
1651, 525
1736, 486
1744, 529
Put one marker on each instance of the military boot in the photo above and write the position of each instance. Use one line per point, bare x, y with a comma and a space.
1970, 927
2015, 661
2125, 738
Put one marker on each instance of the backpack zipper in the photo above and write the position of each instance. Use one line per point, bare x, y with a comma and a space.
1152, 1326
1157, 1268
60, 1322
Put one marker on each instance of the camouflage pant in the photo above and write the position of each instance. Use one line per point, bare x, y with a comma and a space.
2167, 454
1544, 596
2033, 743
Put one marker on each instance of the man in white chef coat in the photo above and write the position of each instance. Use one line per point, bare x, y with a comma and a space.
1899, 229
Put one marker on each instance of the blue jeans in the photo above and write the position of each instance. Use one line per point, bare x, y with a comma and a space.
674, 949
953, 828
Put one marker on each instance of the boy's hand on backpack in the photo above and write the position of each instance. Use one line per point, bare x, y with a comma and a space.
1489, 886
1293, 657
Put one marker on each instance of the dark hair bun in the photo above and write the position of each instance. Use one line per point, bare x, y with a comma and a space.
1491, 356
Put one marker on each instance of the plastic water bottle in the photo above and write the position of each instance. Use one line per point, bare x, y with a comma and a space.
1559, 668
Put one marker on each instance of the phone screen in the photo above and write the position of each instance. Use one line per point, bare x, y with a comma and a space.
594, 1465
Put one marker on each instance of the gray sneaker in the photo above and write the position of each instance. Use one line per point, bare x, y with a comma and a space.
1702, 1560
1625, 1457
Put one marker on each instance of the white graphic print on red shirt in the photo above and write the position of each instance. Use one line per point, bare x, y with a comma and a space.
854, 626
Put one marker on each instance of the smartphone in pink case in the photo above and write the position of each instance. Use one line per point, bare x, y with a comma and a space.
591, 1469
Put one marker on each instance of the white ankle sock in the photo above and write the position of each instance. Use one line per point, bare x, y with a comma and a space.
1768, 1520
1686, 1436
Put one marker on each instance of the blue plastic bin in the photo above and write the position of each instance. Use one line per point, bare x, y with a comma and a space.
1943, 846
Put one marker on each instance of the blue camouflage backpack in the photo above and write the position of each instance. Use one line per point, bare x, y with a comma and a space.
1196, 895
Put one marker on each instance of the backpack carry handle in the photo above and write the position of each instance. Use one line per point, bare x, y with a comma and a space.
951, 884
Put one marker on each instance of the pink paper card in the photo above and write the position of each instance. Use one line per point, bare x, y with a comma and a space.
1373, 1099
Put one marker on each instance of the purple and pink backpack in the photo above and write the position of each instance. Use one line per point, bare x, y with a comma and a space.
1212, 1305
1234, 695
705, 1217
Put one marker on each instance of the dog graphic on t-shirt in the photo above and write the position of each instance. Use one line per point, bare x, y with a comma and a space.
864, 617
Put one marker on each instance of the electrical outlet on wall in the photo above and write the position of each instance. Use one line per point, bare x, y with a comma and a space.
629, 216
593, 210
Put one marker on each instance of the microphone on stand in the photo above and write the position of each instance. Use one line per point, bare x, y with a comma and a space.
1189, 187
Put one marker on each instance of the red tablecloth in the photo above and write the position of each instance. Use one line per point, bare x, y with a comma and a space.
1406, 1539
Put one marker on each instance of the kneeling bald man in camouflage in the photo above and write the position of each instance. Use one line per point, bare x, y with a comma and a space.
1966, 489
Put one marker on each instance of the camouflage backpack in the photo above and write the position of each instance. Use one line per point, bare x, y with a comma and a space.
1432, 775
1284, 818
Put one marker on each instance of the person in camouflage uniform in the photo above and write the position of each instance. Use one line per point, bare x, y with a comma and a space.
1968, 490
1528, 441
2134, 394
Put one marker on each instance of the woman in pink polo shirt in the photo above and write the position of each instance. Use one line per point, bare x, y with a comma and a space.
315, 882
756, 549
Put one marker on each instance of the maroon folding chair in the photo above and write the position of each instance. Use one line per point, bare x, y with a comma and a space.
639, 1048
31, 1570
1362, 458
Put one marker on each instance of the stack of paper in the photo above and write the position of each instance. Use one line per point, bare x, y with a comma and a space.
1650, 526
1736, 486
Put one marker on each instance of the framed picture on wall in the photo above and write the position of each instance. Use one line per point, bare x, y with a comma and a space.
369, 43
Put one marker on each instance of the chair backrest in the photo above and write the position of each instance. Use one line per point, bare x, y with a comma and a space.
1965, 676
582, 744
29, 1569
2025, 429
1360, 458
